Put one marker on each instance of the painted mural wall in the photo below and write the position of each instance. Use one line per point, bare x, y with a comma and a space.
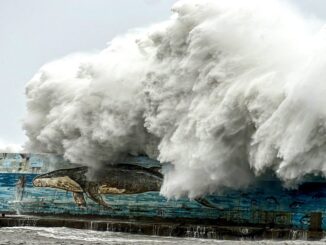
266, 203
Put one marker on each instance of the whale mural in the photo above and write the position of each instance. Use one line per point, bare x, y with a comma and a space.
115, 179
46, 184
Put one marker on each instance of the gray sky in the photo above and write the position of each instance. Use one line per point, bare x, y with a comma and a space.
33, 32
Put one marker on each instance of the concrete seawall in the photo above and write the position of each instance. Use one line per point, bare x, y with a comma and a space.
265, 210
163, 228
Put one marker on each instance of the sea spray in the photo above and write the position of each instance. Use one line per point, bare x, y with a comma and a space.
223, 90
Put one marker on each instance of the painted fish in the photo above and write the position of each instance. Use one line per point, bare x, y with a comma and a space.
116, 179
296, 204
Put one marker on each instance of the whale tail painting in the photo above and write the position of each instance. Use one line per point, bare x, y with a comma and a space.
116, 179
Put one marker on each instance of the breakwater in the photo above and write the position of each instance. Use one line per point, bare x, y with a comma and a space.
160, 228
265, 210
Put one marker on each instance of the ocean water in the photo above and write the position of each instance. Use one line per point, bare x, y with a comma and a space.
62, 235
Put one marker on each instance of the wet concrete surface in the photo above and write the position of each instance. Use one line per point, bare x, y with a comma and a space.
208, 232
65, 236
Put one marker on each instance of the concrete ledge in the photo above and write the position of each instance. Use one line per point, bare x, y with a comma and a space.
177, 229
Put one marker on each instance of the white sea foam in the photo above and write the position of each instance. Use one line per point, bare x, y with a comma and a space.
224, 91
62, 235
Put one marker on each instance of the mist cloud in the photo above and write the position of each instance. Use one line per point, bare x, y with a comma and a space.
224, 91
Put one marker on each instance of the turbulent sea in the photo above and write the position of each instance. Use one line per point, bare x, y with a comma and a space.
41, 235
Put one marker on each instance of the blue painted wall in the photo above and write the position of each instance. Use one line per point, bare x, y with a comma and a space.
265, 203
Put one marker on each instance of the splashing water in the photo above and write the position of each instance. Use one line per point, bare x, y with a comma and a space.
224, 91
63, 235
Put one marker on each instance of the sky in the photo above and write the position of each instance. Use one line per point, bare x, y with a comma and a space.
34, 32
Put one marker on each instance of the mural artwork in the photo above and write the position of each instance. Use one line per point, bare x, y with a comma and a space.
47, 184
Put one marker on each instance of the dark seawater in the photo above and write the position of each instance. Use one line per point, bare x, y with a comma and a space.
41, 235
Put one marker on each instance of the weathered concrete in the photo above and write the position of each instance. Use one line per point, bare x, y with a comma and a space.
264, 210
178, 229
